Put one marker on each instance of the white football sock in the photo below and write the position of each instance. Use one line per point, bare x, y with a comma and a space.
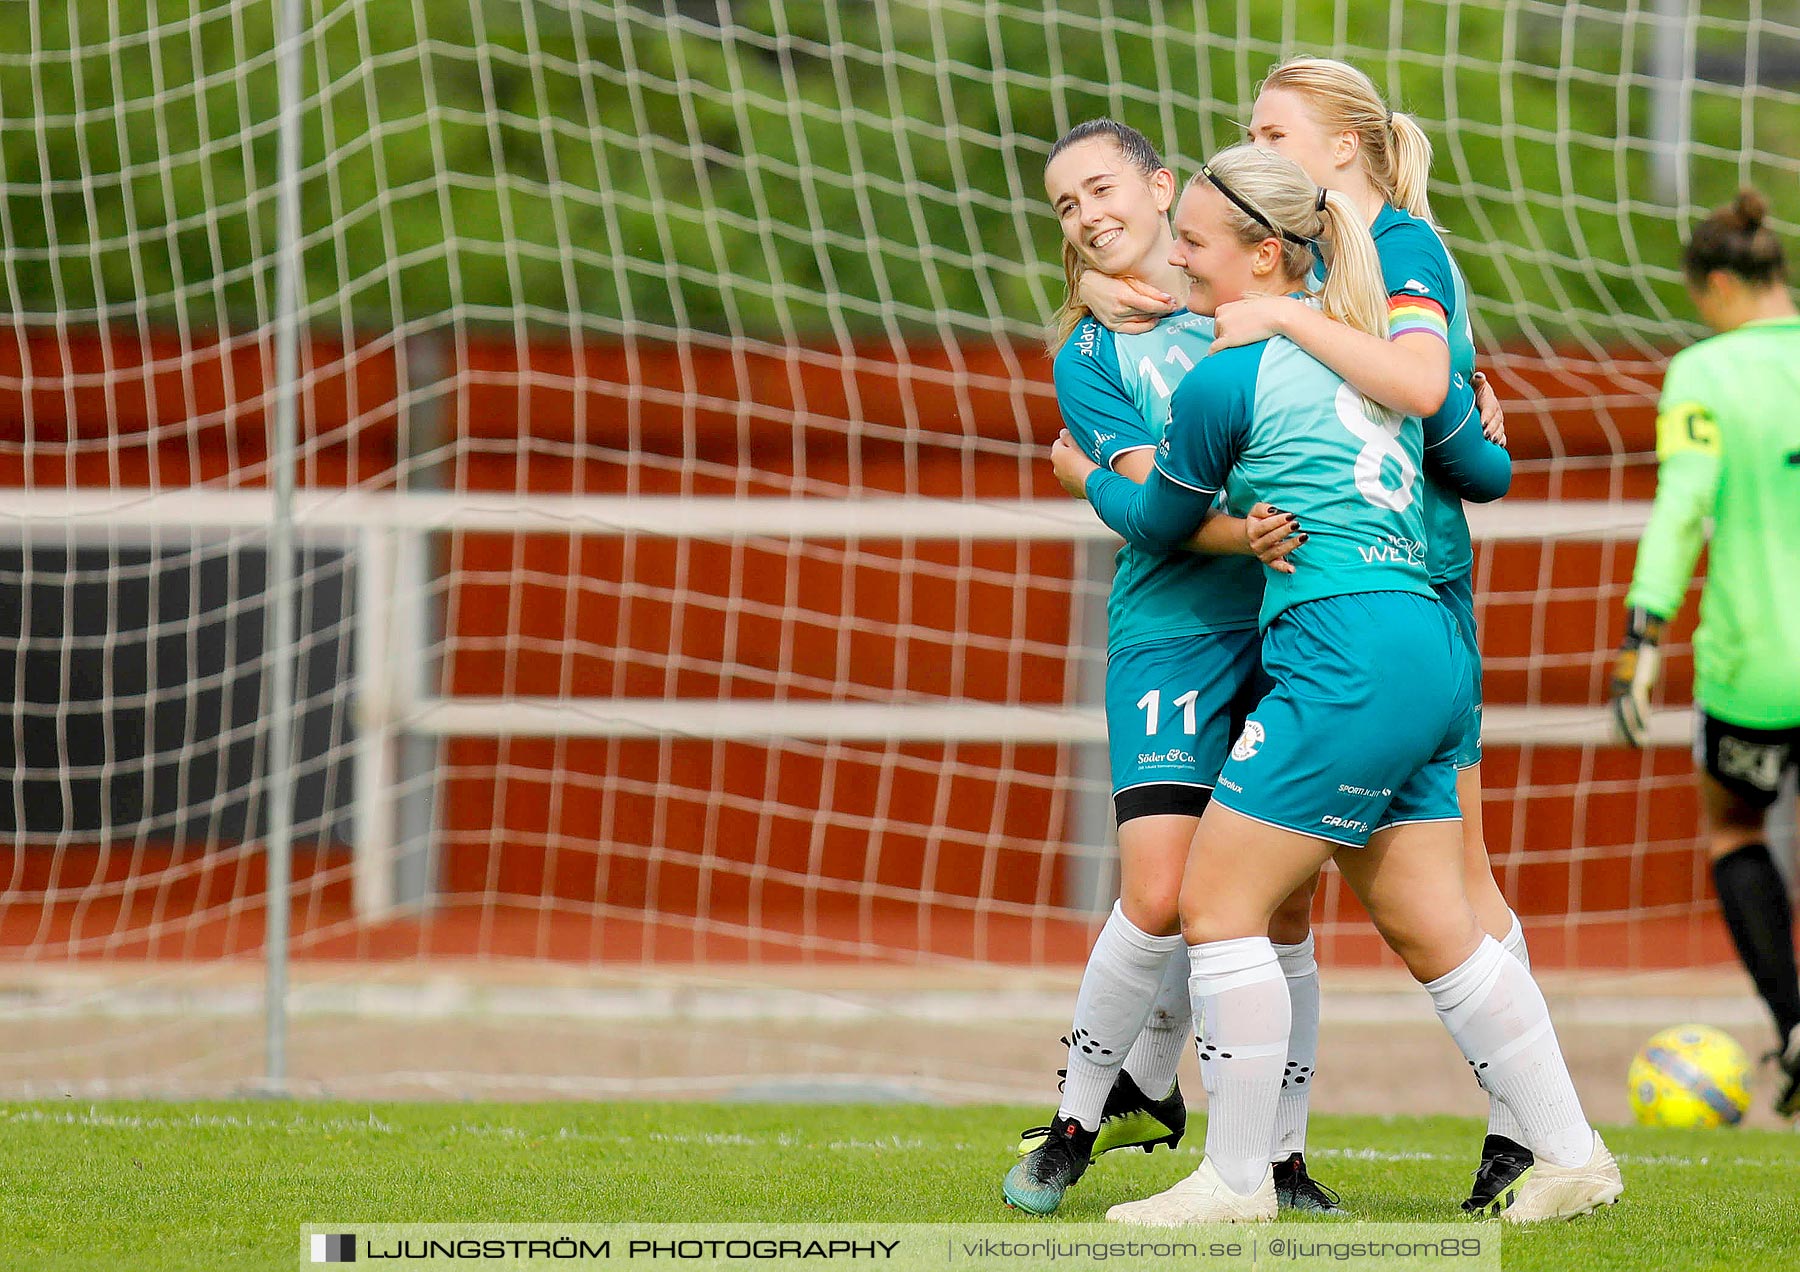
1500, 1118
1241, 1000
1514, 943
1156, 1054
1497, 1015
1301, 971
1121, 979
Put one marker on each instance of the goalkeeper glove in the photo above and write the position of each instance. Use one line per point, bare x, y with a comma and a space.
1635, 669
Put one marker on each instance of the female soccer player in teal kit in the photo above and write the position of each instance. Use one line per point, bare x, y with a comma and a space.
1183, 668
1351, 754
1328, 117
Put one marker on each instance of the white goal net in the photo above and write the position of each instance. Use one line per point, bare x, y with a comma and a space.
679, 592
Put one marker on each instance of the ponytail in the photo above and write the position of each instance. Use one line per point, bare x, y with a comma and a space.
1408, 168
1354, 293
1072, 310
1393, 150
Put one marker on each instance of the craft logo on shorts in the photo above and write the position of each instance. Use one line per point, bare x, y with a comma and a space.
1249, 741
338, 1247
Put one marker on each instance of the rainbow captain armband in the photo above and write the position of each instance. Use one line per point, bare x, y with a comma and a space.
1407, 314
1686, 427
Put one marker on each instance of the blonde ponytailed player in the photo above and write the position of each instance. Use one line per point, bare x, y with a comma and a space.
1327, 117
1351, 754
1182, 669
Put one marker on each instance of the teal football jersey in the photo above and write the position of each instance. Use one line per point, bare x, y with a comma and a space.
1114, 392
1415, 262
1278, 425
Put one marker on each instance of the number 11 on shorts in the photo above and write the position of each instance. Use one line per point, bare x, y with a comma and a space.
1151, 705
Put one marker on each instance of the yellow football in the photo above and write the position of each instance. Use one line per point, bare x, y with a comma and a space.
1690, 1077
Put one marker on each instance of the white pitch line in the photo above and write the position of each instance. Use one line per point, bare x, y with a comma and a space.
93, 1117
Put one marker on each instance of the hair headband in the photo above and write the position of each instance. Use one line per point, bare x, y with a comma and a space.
1244, 207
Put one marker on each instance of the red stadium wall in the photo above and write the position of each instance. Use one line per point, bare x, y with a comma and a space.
83, 411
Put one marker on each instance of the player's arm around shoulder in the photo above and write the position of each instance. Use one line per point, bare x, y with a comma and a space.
1125, 304
1420, 280
1406, 372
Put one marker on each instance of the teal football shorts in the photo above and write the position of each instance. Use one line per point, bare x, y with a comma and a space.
1458, 596
1172, 709
1359, 732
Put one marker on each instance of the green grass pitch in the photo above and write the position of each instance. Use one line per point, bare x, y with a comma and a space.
199, 1186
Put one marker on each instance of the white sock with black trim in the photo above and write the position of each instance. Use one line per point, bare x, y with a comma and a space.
1121, 980
1497, 1015
1500, 1118
1156, 1054
1301, 971
1241, 1000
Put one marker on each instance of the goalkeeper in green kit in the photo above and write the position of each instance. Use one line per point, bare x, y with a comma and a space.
1728, 444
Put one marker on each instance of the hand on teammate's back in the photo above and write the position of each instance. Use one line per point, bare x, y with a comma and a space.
1273, 535
1127, 305
1493, 418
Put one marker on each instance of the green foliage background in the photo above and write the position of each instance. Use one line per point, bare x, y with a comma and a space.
811, 170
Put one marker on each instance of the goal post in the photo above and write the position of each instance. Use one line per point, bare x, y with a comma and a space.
678, 584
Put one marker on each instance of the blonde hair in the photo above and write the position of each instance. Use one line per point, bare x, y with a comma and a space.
1141, 154
1394, 151
1270, 196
